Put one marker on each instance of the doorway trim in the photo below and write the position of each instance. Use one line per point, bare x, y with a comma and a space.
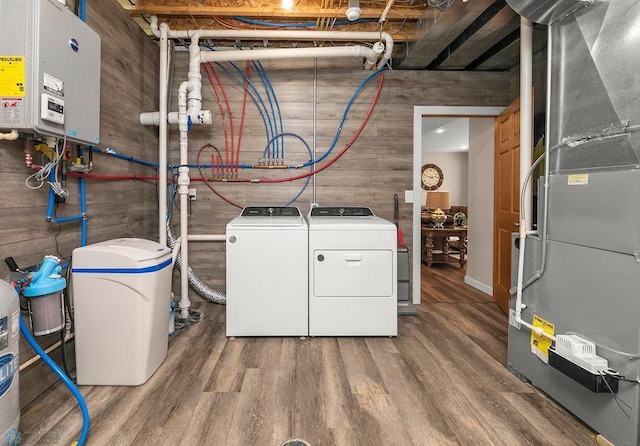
418, 113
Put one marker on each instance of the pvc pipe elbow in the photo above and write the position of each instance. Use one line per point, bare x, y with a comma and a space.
201, 117
150, 118
11, 136
153, 24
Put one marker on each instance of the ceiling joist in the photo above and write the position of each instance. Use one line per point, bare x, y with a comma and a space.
270, 12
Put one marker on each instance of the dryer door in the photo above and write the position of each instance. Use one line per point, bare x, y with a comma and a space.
353, 273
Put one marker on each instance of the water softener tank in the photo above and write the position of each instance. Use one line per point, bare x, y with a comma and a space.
9, 362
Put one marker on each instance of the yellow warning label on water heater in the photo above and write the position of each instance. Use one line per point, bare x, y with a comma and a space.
540, 344
12, 75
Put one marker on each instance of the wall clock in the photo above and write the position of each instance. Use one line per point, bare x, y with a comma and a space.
432, 177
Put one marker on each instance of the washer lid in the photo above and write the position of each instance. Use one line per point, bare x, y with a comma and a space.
269, 217
268, 222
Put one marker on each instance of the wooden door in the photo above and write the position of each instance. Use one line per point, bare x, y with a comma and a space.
506, 199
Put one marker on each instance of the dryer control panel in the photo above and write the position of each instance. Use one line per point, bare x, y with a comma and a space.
338, 211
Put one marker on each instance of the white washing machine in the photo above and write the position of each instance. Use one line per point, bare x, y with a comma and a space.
352, 273
267, 273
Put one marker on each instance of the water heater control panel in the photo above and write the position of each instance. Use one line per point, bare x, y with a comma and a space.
52, 109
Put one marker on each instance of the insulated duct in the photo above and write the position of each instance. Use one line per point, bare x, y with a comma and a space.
547, 12
442, 5
196, 283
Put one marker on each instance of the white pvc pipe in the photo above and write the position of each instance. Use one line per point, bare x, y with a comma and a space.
199, 116
291, 53
526, 119
526, 112
383, 17
183, 191
162, 138
231, 34
207, 238
153, 118
11, 136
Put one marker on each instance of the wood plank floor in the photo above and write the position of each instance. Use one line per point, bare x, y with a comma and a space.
442, 381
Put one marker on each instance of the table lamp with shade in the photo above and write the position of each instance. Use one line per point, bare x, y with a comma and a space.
436, 202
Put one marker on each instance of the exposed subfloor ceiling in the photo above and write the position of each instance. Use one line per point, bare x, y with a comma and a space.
458, 35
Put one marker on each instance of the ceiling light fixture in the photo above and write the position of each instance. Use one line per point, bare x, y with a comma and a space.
353, 11
287, 4
439, 130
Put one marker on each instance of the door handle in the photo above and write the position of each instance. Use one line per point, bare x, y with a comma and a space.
353, 257
516, 224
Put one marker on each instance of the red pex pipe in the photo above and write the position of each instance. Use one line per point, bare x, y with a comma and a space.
230, 115
97, 176
208, 67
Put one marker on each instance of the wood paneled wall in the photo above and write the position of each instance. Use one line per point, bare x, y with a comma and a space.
115, 209
377, 166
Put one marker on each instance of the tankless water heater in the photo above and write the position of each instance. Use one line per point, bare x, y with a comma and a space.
49, 71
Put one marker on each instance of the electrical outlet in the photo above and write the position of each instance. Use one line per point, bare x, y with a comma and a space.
512, 319
408, 196
192, 194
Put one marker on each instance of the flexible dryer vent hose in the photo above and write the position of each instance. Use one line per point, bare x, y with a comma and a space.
196, 283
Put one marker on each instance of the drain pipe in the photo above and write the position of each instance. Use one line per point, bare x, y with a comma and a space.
370, 54
183, 190
194, 103
199, 116
232, 34
314, 199
526, 111
10, 136
162, 136
526, 107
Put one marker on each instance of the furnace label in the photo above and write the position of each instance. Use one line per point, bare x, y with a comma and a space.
540, 344
578, 179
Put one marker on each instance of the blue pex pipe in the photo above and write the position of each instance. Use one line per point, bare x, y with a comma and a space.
297, 25
83, 210
81, 216
64, 378
82, 10
111, 152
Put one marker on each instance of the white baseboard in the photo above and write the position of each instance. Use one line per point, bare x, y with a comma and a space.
478, 285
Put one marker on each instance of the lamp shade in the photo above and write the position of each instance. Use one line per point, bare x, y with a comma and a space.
438, 200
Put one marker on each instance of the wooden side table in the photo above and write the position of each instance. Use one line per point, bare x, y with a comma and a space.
444, 233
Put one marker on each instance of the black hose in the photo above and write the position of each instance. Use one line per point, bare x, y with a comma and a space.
63, 348
66, 311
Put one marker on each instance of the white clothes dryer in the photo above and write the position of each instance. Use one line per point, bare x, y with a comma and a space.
352, 273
